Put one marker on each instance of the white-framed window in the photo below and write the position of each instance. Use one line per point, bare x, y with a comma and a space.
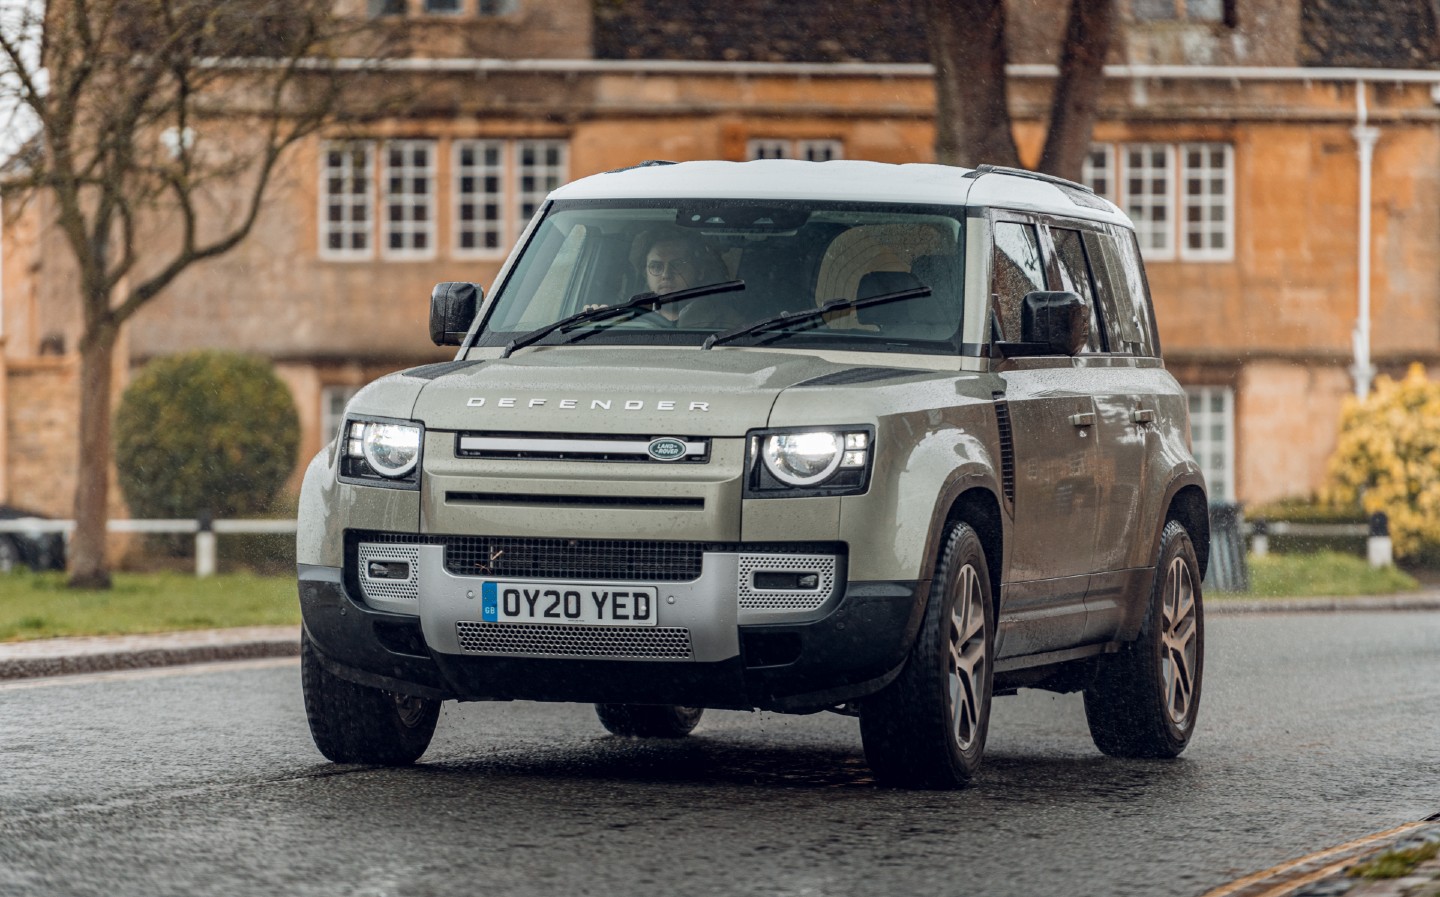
1212, 437
492, 191
498, 7
1098, 170
1149, 196
333, 400
347, 200
1207, 201
408, 223
809, 150
1180, 196
540, 167
479, 198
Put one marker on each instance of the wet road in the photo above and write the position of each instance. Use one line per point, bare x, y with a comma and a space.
1315, 729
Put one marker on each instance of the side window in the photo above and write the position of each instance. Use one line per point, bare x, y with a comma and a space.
1016, 269
548, 282
1124, 306
1139, 291
1075, 277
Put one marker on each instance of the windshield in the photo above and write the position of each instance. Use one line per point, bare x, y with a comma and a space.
789, 256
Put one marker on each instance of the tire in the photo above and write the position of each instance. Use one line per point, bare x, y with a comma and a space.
649, 720
927, 728
354, 723
1143, 700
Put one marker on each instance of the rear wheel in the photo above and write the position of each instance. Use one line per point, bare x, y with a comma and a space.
649, 720
354, 723
1143, 699
927, 728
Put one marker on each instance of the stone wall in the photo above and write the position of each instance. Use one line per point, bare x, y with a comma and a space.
41, 406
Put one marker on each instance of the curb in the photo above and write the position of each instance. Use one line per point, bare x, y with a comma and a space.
1426, 600
101, 654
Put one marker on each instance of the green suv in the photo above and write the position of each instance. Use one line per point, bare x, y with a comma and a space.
883, 440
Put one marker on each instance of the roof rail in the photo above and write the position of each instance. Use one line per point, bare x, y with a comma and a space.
648, 163
1026, 173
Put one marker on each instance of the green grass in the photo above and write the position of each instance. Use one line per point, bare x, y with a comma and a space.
1322, 573
1396, 863
40, 606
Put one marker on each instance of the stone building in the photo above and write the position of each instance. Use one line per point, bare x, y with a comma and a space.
1231, 130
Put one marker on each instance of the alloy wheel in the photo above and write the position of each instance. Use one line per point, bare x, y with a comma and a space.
1178, 642
967, 659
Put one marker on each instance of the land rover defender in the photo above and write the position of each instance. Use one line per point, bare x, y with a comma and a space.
887, 440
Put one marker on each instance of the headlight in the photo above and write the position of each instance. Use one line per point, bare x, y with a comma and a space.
802, 459
798, 462
381, 452
391, 449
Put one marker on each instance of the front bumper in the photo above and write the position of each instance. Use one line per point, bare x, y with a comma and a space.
854, 649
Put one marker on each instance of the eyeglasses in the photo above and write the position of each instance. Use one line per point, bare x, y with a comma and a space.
657, 268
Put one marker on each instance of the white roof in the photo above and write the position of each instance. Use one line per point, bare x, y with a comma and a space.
841, 180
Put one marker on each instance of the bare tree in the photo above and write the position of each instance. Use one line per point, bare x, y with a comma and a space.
154, 118
972, 118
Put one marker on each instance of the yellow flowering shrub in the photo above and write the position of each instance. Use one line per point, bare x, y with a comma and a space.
1388, 459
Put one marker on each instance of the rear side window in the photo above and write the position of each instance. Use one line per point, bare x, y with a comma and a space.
1017, 269
1124, 300
1075, 276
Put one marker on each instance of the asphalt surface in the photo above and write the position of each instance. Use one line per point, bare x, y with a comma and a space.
202, 780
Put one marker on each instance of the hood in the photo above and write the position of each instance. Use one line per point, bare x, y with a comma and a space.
618, 390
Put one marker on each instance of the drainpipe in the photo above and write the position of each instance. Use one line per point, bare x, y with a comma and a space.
1365, 138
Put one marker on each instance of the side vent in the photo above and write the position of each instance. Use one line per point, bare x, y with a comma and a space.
1007, 446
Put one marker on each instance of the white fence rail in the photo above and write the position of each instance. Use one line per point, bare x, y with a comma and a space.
204, 531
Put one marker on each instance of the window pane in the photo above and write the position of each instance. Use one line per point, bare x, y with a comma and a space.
767, 149
1208, 201
479, 175
1098, 172
409, 179
1204, 10
537, 179
347, 181
1149, 179
1212, 427
1075, 277
1017, 269
1150, 10
442, 7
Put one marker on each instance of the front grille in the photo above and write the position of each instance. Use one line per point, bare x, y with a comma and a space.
659, 643
571, 559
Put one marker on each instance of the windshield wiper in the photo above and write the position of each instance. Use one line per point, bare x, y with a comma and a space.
816, 314
647, 301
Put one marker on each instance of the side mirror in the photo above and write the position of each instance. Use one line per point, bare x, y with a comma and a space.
452, 311
1059, 322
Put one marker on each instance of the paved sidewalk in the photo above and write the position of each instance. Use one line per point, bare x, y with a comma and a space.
65, 656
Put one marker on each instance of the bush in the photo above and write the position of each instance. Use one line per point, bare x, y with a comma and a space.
1388, 459
203, 432
1310, 510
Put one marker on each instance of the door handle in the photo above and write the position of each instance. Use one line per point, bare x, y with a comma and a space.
1143, 416
1086, 419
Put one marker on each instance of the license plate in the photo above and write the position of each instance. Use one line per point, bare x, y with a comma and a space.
560, 602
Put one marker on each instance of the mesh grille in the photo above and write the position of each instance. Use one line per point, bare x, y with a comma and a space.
752, 598
389, 588
571, 559
659, 643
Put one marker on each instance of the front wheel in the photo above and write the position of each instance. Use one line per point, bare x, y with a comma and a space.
354, 723
927, 728
649, 720
1143, 699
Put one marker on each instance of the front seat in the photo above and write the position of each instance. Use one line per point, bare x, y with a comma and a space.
920, 318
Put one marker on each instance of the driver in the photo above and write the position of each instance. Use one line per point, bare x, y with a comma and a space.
673, 260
